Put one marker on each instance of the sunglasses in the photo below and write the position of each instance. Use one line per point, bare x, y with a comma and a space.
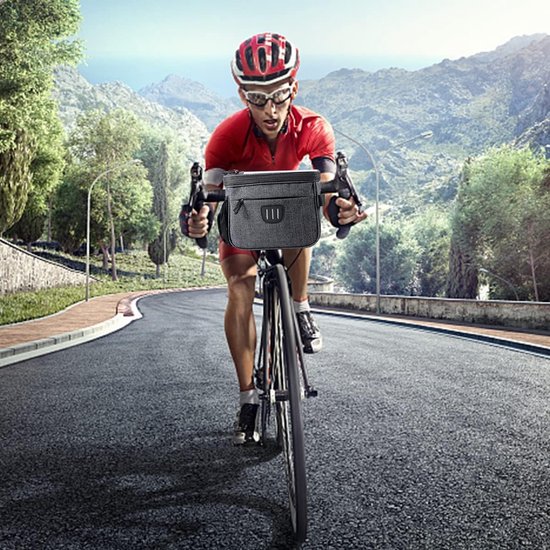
259, 99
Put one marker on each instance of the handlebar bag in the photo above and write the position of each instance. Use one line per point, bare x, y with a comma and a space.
270, 210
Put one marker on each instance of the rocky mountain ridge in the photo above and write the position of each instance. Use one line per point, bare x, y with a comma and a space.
76, 95
469, 104
177, 92
474, 101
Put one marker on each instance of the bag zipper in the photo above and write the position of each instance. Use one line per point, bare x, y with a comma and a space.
238, 206
240, 202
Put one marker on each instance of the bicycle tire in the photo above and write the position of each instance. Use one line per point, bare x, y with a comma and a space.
290, 432
263, 367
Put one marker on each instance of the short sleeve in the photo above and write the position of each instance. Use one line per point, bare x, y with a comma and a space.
320, 142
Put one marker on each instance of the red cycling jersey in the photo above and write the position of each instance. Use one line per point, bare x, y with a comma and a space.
236, 144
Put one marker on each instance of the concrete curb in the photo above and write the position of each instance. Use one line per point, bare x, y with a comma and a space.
126, 312
419, 325
29, 350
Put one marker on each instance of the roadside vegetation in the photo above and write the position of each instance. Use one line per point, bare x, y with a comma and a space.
113, 179
136, 272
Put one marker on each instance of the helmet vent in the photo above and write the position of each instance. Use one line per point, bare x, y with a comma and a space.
288, 52
262, 59
249, 58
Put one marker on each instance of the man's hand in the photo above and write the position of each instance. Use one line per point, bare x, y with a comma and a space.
342, 211
348, 212
195, 224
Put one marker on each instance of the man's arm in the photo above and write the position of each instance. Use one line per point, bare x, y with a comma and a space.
343, 211
338, 211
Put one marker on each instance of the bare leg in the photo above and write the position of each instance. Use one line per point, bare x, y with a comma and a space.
299, 272
240, 328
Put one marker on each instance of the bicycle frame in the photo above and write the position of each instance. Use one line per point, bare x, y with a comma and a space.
267, 261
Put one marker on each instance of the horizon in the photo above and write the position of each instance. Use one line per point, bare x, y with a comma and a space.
215, 74
140, 45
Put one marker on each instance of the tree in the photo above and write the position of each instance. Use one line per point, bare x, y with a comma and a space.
104, 144
431, 232
500, 222
463, 281
46, 169
323, 259
68, 217
356, 266
164, 181
15, 178
30, 226
465, 229
32, 42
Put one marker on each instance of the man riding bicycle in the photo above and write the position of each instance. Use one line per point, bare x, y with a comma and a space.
270, 133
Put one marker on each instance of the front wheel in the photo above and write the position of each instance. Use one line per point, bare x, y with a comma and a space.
288, 395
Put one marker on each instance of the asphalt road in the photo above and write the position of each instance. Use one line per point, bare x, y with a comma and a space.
417, 440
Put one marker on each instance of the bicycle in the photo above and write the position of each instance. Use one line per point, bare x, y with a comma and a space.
280, 370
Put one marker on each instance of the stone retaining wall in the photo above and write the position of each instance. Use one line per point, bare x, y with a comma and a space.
523, 315
21, 270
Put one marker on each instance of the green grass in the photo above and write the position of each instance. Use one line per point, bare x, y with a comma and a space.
136, 272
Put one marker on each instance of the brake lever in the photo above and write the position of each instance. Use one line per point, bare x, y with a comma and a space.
196, 199
346, 190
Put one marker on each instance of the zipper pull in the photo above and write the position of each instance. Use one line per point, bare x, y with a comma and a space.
240, 202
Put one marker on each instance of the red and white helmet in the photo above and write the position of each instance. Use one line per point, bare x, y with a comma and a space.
265, 59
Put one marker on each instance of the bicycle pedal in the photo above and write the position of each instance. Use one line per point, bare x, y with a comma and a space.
311, 392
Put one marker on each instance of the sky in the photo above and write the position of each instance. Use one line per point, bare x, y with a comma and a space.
141, 42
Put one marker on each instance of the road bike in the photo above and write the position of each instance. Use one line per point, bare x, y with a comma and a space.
280, 370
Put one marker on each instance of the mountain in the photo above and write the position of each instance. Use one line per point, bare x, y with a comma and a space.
469, 104
472, 102
177, 92
76, 95
511, 47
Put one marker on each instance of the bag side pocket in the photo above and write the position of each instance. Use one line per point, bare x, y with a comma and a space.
223, 222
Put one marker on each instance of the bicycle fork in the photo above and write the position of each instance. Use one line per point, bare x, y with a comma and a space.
307, 389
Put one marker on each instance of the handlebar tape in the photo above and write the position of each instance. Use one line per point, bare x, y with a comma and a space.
344, 230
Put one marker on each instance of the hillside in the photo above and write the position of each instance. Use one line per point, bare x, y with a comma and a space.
76, 95
177, 92
469, 104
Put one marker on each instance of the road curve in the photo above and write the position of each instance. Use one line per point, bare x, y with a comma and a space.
417, 440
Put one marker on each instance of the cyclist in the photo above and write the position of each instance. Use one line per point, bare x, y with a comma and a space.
270, 133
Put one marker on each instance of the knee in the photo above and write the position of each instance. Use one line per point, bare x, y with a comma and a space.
241, 289
240, 274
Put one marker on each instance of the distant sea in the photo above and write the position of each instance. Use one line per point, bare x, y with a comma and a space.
215, 73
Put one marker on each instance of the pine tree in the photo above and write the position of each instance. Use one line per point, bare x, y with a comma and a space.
463, 269
160, 248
